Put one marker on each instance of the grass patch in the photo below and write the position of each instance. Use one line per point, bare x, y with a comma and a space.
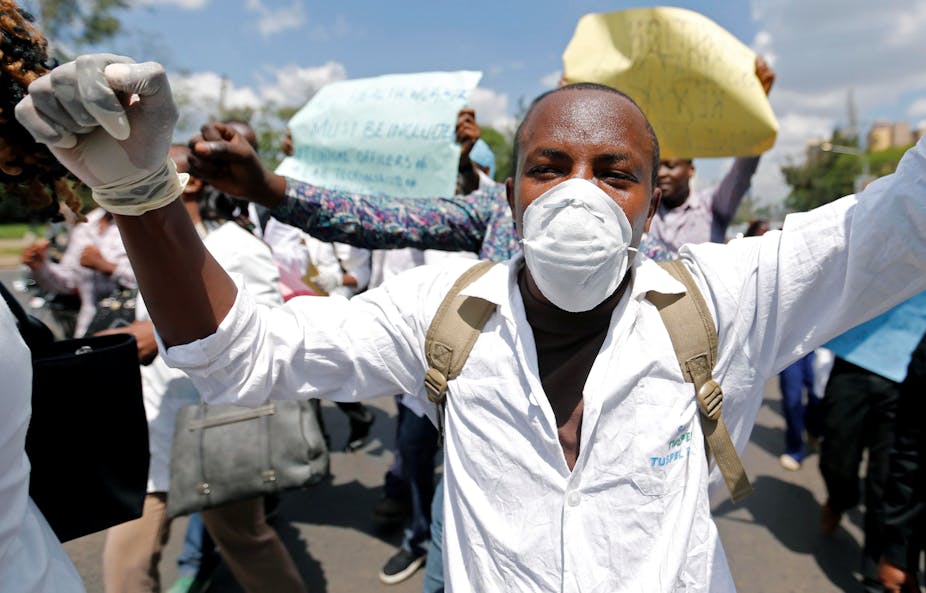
18, 230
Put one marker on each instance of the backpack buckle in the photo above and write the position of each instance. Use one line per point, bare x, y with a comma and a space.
710, 398
436, 385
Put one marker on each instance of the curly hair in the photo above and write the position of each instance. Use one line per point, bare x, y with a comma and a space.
27, 168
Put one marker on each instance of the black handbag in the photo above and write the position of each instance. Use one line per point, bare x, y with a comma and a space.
115, 310
223, 454
87, 440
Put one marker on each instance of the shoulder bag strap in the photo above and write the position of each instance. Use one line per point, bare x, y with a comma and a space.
452, 334
691, 328
34, 333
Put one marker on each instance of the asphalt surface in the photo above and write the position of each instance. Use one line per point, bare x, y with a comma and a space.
772, 539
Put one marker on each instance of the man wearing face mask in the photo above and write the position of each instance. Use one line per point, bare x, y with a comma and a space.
572, 441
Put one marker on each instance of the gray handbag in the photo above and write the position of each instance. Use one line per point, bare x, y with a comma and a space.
224, 454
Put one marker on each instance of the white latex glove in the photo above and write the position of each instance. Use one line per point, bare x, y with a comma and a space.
328, 280
110, 122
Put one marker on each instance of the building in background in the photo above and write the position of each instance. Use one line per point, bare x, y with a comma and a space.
884, 135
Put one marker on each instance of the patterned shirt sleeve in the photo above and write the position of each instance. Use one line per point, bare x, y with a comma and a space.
381, 222
655, 248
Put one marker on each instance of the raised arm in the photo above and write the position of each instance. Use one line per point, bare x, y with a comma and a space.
121, 153
729, 194
459, 223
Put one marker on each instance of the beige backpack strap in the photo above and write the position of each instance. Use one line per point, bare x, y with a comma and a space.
691, 328
453, 332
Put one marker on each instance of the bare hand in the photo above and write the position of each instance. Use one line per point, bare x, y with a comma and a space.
287, 146
144, 338
894, 579
765, 74
91, 258
34, 255
224, 158
468, 133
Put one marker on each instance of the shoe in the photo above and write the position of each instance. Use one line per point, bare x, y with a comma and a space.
829, 519
789, 463
391, 509
401, 566
359, 431
183, 584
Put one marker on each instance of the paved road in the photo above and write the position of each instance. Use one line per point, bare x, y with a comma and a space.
772, 539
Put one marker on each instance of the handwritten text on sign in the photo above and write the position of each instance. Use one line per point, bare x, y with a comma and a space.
694, 80
392, 135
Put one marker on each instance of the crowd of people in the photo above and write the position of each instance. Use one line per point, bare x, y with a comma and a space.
570, 438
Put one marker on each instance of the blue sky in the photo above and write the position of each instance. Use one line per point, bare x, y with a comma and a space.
283, 50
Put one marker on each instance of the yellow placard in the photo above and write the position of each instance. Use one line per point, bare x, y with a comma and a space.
694, 80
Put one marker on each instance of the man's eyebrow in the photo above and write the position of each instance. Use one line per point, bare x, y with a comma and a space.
616, 157
550, 153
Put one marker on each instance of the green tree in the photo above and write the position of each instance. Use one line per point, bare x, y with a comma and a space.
823, 178
831, 175
501, 147
71, 25
821, 181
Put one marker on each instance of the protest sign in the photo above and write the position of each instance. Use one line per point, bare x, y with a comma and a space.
884, 344
392, 135
693, 79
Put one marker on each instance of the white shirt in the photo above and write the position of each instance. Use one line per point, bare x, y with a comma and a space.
294, 249
340, 258
68, 276
634, 514
166, 391
31, 558
386, 263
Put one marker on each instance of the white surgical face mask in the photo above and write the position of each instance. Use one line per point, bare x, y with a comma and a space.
575, 240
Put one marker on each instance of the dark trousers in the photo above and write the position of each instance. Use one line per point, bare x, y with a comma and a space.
417, 445
859, 410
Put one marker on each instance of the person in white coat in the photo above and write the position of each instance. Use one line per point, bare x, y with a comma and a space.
571, 435
251, 548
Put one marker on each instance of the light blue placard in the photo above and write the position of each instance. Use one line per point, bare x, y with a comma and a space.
392, 135
884, 344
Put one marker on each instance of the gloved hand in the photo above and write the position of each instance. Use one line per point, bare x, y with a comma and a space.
328, 280
110, 122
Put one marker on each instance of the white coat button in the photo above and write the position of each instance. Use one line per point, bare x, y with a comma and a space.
573, 498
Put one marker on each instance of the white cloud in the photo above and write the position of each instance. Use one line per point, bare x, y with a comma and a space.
821, 50
275, 20
828, 46
199, 94
294, 85
492, 109
552, 79
762, 45
503, 68
184, 4
917, 108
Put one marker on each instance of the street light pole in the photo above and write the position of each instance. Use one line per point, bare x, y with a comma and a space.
865, 177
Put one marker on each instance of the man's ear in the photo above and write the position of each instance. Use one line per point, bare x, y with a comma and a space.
691, 171
653, 207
